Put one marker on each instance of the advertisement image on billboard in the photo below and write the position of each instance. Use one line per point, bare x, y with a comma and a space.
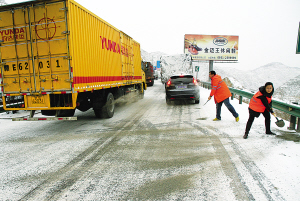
211, 47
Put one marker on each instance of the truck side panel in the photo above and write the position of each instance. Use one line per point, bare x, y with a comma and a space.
139, 74
102, 56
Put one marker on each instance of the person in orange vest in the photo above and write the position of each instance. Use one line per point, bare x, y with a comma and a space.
261, 102
221, 94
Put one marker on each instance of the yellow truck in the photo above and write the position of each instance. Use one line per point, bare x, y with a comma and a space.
57, 56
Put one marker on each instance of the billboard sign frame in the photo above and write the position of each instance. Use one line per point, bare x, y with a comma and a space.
212, 47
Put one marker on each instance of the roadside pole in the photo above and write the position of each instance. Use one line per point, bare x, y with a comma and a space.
197, 70
211, 66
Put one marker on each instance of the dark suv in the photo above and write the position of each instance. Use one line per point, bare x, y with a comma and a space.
182, 87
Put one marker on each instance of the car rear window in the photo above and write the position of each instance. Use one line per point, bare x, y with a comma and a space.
182, 79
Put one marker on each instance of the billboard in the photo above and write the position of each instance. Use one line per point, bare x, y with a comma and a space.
211, 47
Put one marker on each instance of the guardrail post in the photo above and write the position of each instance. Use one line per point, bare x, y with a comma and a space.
292, 123
240, 99
295, 119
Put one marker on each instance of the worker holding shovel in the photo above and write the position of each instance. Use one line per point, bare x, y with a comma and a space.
261, 102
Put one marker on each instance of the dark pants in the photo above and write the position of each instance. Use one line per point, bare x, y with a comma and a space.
228, 105
253, 114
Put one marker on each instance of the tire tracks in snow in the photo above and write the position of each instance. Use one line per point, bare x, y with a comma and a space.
58, 182
231, 162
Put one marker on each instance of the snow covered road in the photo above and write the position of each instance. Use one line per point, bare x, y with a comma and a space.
148, 151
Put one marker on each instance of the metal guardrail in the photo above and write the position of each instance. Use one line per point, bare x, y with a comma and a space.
292, 109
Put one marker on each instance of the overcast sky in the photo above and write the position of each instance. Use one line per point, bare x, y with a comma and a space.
267, 29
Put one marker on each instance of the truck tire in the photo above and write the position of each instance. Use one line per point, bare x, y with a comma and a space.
108, 110
141, 94
65, 113
84, 107
150, 84
48, 112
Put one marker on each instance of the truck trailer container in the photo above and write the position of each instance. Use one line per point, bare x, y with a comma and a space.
58, 56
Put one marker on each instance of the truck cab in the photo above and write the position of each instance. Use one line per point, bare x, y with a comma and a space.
149, 72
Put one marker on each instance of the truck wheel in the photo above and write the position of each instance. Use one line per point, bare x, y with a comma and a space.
48, 112
141, 94
108, 110
65, 113
83, 108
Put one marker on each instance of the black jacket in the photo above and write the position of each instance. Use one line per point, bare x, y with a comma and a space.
264, 96
264, 100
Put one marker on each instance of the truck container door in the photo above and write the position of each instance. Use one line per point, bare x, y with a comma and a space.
127, 58
34, 48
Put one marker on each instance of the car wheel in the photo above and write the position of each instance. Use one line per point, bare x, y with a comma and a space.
168, 101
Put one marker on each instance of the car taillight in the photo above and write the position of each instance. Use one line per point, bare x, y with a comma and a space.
169, 83
195, 81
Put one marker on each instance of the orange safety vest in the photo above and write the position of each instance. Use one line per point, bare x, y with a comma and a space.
256, 104
219, 89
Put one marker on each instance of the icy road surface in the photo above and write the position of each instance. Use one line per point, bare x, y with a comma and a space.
148, 151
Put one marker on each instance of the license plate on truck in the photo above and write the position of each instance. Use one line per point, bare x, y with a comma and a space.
38, 101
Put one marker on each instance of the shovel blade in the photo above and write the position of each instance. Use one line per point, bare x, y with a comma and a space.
280, 123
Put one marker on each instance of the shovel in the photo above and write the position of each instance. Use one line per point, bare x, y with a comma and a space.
205, 102
279, 123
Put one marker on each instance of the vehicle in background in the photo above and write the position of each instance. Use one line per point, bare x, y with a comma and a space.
156, 74
58, 61
182, 87
149, 73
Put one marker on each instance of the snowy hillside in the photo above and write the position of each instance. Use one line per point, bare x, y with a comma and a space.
151, 57
289, 91
286, 79
277, 73
175, 64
